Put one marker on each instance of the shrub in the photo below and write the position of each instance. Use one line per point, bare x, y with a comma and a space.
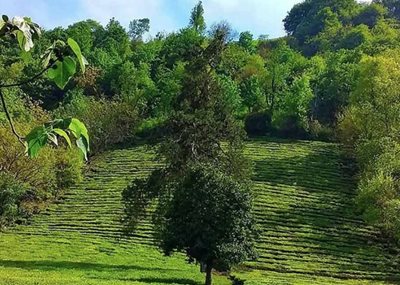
109, 122
11, 192
68, 167
290, 127
258, 124
29, 183
379, 190
320, 132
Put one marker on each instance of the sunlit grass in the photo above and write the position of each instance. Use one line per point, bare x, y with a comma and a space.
304, 204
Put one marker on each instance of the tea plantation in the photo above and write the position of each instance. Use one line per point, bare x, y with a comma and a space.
304, 204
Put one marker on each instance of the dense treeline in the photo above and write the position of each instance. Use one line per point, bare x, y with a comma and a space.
333, 76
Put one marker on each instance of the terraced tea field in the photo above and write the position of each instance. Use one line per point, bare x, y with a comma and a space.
303, 203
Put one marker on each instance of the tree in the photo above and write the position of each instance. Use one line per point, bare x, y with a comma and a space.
197, 18
333, 85
246, 41
137, 28
60, 63
197, 164
209, 219
371, 125
392, 5
252, 94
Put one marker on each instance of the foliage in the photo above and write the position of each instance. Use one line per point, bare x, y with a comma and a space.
11, 192
258, 124
43, 178
203, 198
197, 18
371, 125
110, 122
137, 28
203, 117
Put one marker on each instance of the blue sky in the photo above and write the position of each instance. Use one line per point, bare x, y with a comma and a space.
257, 16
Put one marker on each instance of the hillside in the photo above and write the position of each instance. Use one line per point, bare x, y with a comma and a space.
304, 208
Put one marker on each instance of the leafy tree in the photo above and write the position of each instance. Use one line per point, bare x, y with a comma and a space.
371, 125
246, 41
84, 33
283, 64
60, 63
392, 5
252, 94
204, 198
197, 18
194, 157
137, 28
370, 15
333, 85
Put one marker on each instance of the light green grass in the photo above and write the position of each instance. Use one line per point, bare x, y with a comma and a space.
304, 202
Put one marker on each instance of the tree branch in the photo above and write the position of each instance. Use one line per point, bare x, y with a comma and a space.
28, 80
3, 101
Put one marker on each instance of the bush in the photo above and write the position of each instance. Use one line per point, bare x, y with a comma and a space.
11, 192
258, 124
290, 127
379, 190
68, 167
29, 183
320, 132
109, 122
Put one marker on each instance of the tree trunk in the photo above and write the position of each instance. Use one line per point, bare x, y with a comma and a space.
208, 275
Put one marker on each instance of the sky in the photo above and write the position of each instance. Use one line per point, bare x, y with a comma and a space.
260, 17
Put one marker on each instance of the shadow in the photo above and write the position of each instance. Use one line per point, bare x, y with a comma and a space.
305, 196
158, 280
49, 265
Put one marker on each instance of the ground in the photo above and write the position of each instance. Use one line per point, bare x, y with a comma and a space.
304, 205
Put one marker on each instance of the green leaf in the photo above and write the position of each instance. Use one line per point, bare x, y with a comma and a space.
77, 51
63, 71
79, 129
26, 56
36, 140
82, 146
21, 39
63, 134
53, 138
2, 23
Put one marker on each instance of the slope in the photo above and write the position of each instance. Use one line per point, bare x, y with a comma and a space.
304, 202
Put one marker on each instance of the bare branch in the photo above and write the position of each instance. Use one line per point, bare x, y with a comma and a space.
3, 101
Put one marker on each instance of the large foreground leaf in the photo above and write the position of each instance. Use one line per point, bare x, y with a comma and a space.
62, 71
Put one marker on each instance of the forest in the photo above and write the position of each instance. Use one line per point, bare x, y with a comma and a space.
201, 96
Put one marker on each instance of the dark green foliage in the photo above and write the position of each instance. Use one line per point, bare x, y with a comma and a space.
137, 28
209, 218
246, 41
11, 192
393, 7
334, 84
258, 124
370, 15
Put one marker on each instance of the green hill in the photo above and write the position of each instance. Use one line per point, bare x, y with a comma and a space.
304, 202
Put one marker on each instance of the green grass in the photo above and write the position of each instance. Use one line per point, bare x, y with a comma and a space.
304, 205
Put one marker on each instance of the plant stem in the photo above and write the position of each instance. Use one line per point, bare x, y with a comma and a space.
28, 80
3, 101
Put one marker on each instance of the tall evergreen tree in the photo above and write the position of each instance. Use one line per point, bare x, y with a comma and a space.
197, 18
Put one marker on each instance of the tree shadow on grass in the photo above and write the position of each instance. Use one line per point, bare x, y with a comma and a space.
158, 280
49, 265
